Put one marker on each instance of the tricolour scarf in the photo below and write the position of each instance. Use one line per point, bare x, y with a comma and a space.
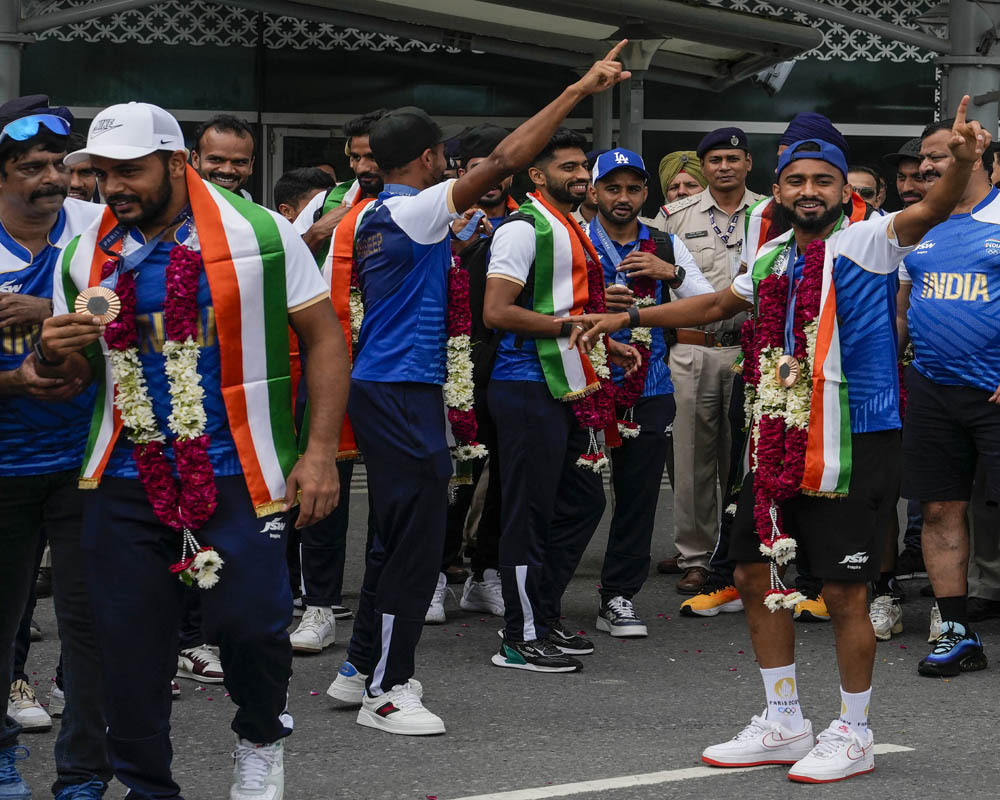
561, 290
828, 451
244, 258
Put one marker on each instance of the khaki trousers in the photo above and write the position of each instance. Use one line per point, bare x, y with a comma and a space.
703, 382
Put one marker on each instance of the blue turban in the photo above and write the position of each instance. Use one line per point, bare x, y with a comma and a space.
810, 125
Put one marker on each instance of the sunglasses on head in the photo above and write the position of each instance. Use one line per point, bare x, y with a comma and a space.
24, 128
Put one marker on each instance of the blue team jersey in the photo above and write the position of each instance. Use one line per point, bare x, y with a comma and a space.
150, 291
403, 252
39, 437
866, 259
658, 377
954, 316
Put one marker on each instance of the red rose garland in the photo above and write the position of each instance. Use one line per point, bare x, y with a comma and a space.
459, 323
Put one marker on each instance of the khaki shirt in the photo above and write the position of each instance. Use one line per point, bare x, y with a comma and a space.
689, 219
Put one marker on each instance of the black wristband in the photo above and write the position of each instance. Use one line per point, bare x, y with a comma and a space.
633, 316
42, 359
678, 278
566, 329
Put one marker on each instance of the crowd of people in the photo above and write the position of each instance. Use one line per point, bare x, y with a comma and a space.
189, 381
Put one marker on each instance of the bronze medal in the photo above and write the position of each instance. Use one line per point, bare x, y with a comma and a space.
788, 371
99, 302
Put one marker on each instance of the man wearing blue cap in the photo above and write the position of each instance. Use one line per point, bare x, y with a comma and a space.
701, 362
826, 461
44, 429
639, 264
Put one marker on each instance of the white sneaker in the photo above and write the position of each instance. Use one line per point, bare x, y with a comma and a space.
935, 629
23, 707
349, 685
258, 771
57, 701
761, 742
841, 752
316, 631
435, 611
399, 711
200, 664
484, 595
886, 615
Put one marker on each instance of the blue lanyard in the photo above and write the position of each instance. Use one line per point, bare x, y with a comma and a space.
127, 263
790, 308
610, 249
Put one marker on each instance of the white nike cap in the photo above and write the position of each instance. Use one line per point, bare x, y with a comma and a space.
130, 130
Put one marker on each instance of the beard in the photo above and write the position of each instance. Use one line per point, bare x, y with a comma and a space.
562, 194
148, 209
371, 183
500, 200
608, 213
788, 217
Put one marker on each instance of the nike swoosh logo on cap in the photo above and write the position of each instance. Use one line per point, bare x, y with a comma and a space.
164, 141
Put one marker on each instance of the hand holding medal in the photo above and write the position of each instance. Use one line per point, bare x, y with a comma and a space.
99, 302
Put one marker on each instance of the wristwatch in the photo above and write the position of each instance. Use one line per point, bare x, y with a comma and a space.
633, 316
678, 278
45, 362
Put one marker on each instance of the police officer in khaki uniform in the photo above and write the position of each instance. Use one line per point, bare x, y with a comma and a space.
710, 225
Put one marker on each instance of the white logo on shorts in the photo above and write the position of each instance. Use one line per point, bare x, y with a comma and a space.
274, 525
856, 560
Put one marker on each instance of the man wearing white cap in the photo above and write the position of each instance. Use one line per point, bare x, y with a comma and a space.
187, 294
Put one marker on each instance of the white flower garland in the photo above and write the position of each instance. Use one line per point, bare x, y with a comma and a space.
458, 386
187, 410
643, 336
357, 313
599, 359
132, 398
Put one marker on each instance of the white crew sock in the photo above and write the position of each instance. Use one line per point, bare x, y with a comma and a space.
783, 697
854, 708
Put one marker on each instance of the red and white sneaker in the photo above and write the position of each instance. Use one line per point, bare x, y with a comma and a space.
200, 664
841, 752
761, 742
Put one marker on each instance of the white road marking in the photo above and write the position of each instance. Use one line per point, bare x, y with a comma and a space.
647, 779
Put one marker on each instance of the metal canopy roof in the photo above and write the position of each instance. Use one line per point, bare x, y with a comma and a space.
704, 47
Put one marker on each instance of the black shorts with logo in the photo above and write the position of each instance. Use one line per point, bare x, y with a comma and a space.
948, 429
838, 539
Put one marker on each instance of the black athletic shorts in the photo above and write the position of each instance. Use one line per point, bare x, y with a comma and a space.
948, 429
840, 539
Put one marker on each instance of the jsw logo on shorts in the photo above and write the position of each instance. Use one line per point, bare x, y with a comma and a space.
855, 560
274, 527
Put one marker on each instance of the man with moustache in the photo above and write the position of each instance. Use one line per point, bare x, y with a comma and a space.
551, 503
710, 225
223, 153
43, 425
238, 468
82, 180
680, 176
636, 259
910, 184
855, 349
952, 419
320, 216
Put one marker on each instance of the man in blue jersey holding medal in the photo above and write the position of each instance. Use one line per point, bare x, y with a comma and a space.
43, 425
821, 369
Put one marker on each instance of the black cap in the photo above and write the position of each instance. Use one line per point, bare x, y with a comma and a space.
723, 139
404, 133
910, 150
31, 104
480, 140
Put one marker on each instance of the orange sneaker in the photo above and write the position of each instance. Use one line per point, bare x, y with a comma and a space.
810, 610
711, 601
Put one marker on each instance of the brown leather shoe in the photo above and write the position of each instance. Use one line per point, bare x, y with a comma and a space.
693, 580
669, 566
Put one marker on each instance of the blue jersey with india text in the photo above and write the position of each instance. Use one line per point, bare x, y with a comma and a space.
403, 253
40, 437
954, 316
866, 258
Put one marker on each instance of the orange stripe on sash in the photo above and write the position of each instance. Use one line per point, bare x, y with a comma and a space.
225, 290
813, 473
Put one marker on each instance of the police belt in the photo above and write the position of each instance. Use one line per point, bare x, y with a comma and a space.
706, 339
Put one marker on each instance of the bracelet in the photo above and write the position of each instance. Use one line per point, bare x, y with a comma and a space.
566, 329
42, 359
633, 316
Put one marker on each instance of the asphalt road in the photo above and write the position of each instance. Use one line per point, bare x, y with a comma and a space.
638, 707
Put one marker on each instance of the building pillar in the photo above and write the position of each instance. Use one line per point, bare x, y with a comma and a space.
11, 44
602, 125
973, 66
632, 112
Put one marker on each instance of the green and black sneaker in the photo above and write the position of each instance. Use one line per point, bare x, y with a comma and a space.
539, 655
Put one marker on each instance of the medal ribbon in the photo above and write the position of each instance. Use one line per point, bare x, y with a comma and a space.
732, 226
609, 248
127, 263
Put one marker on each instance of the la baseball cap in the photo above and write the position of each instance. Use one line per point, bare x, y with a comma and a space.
404, 133
619, 158
130, 130
827, 152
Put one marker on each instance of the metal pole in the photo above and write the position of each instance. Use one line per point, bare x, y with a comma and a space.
632, 114
11, 44
973, 67
603, 120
